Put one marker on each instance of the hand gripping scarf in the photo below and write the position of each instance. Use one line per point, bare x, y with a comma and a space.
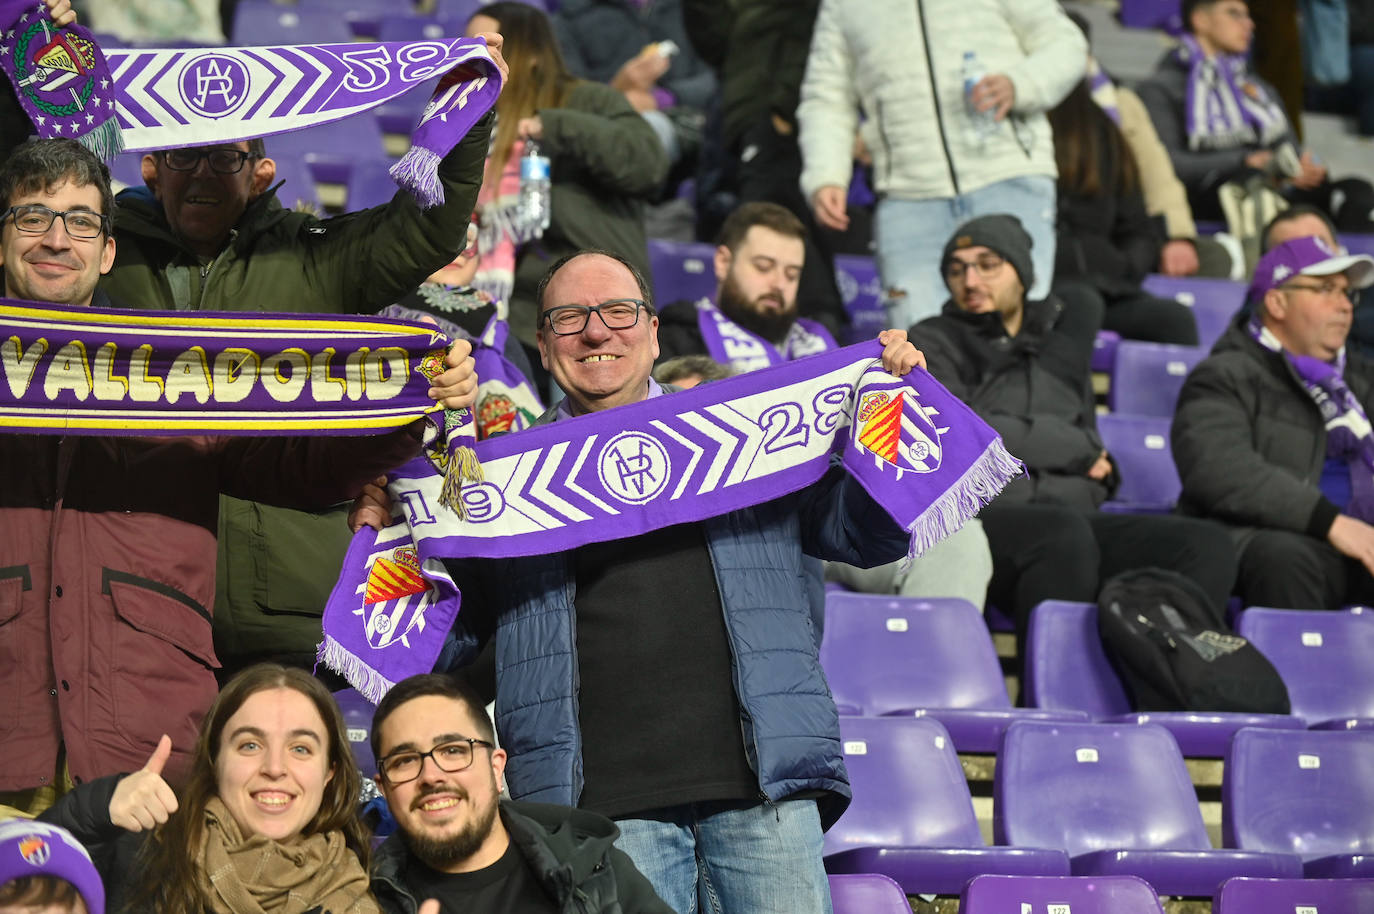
923, 455
171, 98
1223, 108
1348, 432
730, 344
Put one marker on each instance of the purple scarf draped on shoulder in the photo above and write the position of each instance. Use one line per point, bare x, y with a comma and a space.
1224, 108
743, 350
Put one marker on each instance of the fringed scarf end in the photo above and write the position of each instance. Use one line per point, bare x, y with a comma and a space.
418, 173
371, 684
988, 475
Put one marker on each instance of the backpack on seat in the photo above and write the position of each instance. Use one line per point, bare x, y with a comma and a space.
1174, 653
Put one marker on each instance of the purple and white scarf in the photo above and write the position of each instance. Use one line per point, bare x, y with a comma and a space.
107, 371
1224, 108
1348, 432
60, 77
730, 344
923, 455
1103, 91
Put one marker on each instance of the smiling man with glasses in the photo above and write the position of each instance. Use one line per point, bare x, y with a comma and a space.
1272, 433
460, 843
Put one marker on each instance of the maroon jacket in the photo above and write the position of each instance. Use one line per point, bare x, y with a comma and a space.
107, 580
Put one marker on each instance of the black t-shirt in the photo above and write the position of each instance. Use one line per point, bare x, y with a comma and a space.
660, 721
508, 886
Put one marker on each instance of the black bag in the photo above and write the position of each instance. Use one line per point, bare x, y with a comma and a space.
1174, 654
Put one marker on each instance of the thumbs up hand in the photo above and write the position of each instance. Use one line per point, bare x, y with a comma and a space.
143, 800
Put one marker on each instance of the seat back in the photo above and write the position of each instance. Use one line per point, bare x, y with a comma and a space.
1148, 377
263, 22
1305, 792
867, 893
331, 149
1214, 301
883, 654
909, 788
1140, 447
1323, 657
1091, 787
1294, 896
369, 184
1079, 894
357, 715
861, 290
1066, 668
682, 270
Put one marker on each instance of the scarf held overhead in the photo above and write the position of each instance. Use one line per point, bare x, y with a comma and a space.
925, 457
107, 371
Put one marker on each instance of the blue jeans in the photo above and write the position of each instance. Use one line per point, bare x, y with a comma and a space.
911, 236
725, 858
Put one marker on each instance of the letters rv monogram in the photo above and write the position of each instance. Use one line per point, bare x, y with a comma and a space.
214, 85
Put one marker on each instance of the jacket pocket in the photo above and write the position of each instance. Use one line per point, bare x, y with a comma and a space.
14, 581
162, 658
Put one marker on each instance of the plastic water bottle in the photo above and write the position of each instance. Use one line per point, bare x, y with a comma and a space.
982, 124
534, 190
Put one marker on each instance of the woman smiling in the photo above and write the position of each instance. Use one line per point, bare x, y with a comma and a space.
266, 822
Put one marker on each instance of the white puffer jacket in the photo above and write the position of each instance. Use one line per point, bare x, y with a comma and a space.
901, 63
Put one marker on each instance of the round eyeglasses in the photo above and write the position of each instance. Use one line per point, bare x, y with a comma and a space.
35, 219
406, 765
987, 266
619, 314
222, 161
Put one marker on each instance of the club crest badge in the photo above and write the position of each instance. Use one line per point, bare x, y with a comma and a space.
55, 72
395, 577
498, 414
395, 597
894, 427
34, 849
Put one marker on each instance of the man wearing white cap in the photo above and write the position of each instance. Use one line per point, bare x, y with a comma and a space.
1272, 433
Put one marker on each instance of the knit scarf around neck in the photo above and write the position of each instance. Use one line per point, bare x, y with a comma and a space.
1224, 107
260, 876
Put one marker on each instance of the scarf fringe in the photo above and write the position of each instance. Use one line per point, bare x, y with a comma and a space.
463, 465
371, 684
106, 141
981, 482
418, 172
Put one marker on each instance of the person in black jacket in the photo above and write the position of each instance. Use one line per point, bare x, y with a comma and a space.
1107, 241
1023, 366
440, 770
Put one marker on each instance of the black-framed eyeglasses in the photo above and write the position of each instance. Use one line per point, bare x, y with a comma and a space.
222, 161
1327, 289
987, 266
36, 219
618, 314
406, 765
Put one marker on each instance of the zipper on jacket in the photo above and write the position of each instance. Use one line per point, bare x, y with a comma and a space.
935, 97
206, 268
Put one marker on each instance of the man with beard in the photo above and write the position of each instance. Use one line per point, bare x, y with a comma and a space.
459, 843
753, 322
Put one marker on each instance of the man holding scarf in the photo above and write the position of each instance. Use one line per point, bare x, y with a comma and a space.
670, 681
1221, 122
107, 544
1272, 435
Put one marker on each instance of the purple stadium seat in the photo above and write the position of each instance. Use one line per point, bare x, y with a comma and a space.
1076, 894
1148, 14
1104, 351
1294, 896
1140, 447
862, 292
1358, 244
867, 893
1148, 377
1117, 798
929, 658
682, 270
364, 17
331, 149
127, 167
369, 185
1067, 670
262, 22
297, 188
1214, 301
1324, 659
1304, 792
418, 28
912, 817
402, 113
357, 715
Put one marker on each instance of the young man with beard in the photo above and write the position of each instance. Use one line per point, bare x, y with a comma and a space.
753, 322
459, 843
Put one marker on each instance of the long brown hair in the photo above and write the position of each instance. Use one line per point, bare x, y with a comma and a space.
539, 78
167, 880
1089, 149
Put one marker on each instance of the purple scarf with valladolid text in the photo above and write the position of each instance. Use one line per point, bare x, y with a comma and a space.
1348, 433
923, 455
1224, 108
114, 372
743, 350
178, 97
